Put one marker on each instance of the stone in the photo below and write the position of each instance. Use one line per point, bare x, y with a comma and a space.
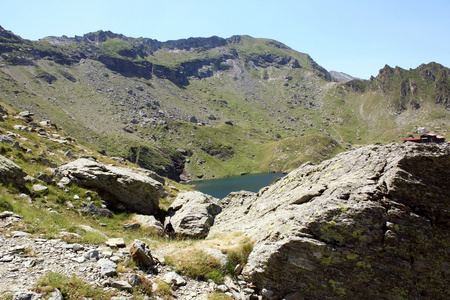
92, 254
137, 190
115, 243
192, 214
56, 295
93, 209
26, 295
7, 258
70, 154
366, 223
39, 188
6, 139
149, 222
120, 284
20, 233
174, 279
6, 214
134, 280
45, 178
107, 267
21, 128
131, 226
140, 252
11, 173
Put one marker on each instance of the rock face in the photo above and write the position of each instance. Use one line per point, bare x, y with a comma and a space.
192, 214
10, 172
368, 224
138, 191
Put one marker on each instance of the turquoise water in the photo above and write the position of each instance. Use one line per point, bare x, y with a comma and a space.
220, 188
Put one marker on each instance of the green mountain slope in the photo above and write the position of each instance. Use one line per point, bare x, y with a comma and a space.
210, 107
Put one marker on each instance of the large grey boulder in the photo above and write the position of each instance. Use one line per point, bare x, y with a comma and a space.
136, 190
149, 222
11, 173
372, 223
192, 214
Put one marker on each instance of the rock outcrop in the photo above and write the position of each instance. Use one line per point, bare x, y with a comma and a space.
192, 214
371, 223
138, 191
11, 173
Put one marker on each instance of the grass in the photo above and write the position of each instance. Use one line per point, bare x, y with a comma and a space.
196, 264
238, 256
71, 287
219, 296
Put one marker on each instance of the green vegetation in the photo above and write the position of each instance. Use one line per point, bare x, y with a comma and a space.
238, 256
70, 287
196, 264
219, 296
115, 48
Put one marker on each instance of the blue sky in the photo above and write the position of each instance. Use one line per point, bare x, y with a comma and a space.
357, 37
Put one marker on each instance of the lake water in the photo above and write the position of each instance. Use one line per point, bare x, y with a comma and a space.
220, 188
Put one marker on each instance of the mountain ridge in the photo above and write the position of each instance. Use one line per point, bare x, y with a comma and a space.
228, 104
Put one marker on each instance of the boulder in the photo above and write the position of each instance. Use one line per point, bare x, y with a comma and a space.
368, 223
93, 209
192, 214
136, 190
11, 173
149, 222
140, 252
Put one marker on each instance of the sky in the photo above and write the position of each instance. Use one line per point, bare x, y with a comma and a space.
357, 37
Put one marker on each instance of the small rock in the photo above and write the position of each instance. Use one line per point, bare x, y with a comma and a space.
26, 295
95, 210
56, 295
134, 280
132, 226
80, 259
20, 233
238, 269
108, 268
121, 285
222, 288
39, 188
174, 279
115, 258
93, 254
7, 258
6, 214
115, 242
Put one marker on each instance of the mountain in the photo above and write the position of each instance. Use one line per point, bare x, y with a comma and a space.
212, 107
341, 77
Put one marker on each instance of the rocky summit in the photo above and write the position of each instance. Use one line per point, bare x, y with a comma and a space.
371, 223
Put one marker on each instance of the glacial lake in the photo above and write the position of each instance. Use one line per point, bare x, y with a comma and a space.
220, 188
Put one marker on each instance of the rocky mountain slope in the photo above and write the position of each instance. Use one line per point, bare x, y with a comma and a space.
370, 223
212, 107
